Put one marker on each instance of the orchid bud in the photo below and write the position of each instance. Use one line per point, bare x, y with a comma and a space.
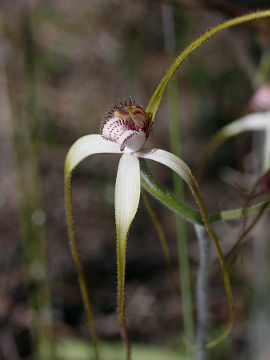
261, 98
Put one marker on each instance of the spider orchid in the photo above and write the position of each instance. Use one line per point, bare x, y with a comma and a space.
125, 130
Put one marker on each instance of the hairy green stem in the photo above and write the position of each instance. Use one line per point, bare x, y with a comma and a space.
121, 300
78, 266
167, 198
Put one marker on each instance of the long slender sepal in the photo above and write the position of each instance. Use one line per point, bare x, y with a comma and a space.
167, 198
181, 168
156, 98
127, 195
85, 146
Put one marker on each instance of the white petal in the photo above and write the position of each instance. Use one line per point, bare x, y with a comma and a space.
86, 146
170, 160
255, 121
258, 121
127, 194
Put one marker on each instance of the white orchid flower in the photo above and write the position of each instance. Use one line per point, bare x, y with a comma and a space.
124, 131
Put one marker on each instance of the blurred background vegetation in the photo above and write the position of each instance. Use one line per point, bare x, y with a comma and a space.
62, 65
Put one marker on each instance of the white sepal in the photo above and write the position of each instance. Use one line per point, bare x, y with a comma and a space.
256, 121
127, 195
86, 146
172, 161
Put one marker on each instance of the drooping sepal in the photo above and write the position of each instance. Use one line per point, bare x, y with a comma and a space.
127, 195
85, 146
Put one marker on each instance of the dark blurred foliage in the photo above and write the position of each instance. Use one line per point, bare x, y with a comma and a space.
62, 65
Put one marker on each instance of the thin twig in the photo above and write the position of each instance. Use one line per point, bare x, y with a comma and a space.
202, 291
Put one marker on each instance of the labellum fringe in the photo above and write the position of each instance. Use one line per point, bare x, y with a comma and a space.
126, 124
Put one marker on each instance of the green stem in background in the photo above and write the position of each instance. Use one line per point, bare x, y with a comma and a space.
238, 213
234, 251
178, 186
78, 266
162, 238
156, 98
24, 109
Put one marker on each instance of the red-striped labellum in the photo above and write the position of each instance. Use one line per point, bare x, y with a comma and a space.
126, 124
